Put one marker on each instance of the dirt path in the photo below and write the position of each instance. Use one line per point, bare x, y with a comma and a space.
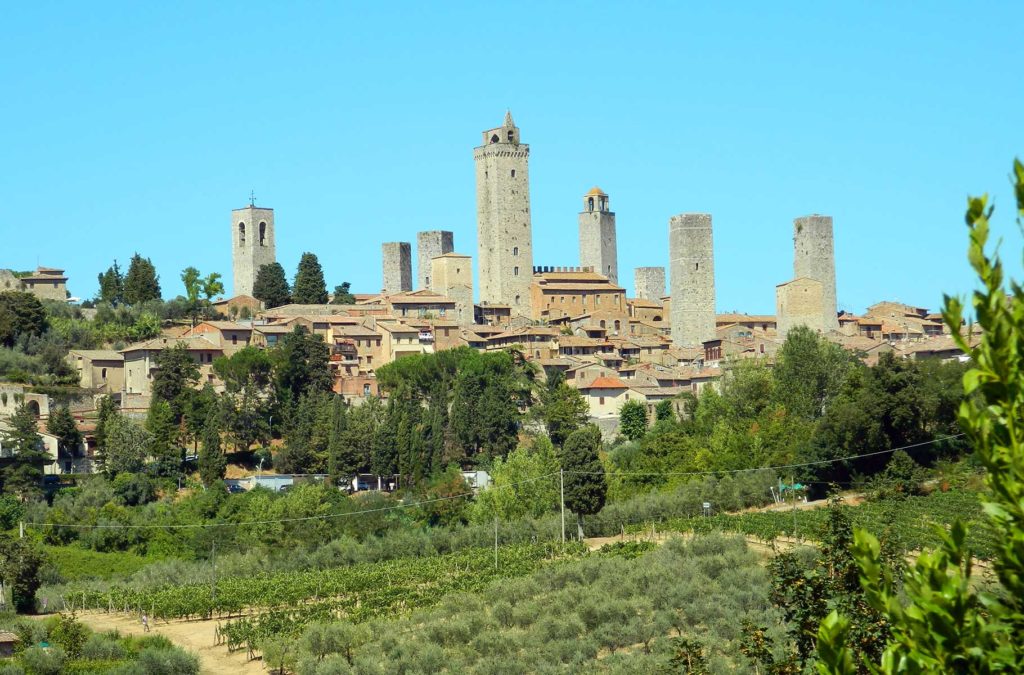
194, 636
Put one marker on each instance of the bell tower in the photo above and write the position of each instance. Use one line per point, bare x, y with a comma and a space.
252, 244
597, 235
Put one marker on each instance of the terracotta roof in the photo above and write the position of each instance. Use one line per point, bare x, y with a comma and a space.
98, 354
193, 343
607, 383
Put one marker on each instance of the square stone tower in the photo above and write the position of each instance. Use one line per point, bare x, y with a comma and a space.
429, 245
451, 275
397, 256
597, 236
252, 245
799, 303
692, 268
649, 283
504, 239
814, 258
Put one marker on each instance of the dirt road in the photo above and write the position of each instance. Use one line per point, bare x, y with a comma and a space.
194, 636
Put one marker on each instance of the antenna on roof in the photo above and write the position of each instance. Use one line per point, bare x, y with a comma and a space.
252, 198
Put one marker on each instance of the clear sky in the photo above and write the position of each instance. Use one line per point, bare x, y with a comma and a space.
139, 126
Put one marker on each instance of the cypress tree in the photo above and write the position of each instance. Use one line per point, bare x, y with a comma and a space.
271, 286
212, 461
25, 471
585, 486
141, 284
310, 287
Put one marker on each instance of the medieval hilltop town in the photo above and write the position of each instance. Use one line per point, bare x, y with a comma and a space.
574, 319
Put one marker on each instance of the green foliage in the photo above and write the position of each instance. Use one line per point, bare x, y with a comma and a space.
126, 445
11, 511
141, 284
21, 315
561, 408
271, 286
212, 462
200, 290
62, 425
24, 472
664, 410
343, 295
633, 420
164, 440
309, 287
809, 371
176, 373
74, 564
942, 621
111, 285
585, 486
301, 364
20, 561
69, 634
525, 484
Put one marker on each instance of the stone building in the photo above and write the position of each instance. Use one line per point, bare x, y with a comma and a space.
597, 235
46, 283
571, 291
429, 245
504, 239
397, 257
101, 370
649, 283
814, 258
252, 231
451, 275
9, 282
799, 303
692, 269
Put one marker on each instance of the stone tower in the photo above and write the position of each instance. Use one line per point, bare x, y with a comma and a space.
397, 256
814, 258
252, 247
451, 275
798, 303
597, 235
692, 270
504, 240
429, 245
649, 283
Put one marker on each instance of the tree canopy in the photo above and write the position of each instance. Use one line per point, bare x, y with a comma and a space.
309, 287
271, 286
141, 284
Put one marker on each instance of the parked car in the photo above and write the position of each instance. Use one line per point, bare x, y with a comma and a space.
235, 488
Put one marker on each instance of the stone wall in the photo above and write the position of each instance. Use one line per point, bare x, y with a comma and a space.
504, 238
814, 258
429, 245
253, 248
397, 258
649, 283
452, 276
692, 268
799, 303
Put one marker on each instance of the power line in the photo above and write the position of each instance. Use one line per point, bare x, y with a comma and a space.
325, 516
767, 468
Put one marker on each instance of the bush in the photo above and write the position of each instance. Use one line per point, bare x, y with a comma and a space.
39, 661
173, 661
104, 647
70, 634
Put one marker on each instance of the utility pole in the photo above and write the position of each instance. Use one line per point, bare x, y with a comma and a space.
561, 489
495, 543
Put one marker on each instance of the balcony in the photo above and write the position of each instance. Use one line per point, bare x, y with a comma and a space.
426, 336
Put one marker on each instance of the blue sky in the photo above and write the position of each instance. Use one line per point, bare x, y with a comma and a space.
139, 126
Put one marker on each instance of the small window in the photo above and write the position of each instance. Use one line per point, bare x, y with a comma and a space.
517, 299
234, 339
366, 390
369, 359
511, 137
601, 400
515, 271
241, 234
513, 173
590, 203
103, 372
263, 234
515, 250
494, 138
696, 266
427, 279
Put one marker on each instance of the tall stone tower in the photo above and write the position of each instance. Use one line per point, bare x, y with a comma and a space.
504, 239
397, 257
252, 245
649, 283
814, 258
692, 269
451, 275
597, 235
429, 245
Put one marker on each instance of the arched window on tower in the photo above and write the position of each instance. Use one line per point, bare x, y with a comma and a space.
241, 234
263, 234
590, 203
517, 299
515, 271
494, 138
515, 250
511, 135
